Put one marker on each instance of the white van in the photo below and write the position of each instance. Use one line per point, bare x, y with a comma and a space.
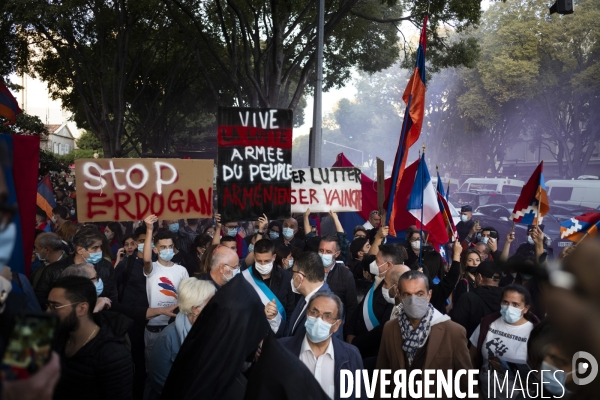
584, 193
499, 185
453, 184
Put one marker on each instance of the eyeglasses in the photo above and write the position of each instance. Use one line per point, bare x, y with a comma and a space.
327, 317
231, 266
52, 307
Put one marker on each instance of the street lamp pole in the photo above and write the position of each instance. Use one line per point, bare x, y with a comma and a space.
362, 161
314, 157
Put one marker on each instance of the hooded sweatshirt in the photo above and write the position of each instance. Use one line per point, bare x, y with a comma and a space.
476, 304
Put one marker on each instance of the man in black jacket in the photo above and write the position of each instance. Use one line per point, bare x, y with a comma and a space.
48, 249
272, 285
466, 226
88, 248
288, 235
481, 301
337, 276
96, 363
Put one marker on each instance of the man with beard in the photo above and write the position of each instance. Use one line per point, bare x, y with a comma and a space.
96, 363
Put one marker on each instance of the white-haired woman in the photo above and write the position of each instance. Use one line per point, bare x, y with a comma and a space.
193, 294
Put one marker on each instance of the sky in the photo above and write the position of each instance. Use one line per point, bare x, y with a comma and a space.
348, 91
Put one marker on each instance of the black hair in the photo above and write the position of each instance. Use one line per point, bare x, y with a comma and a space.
200, 241
86, 236
163, 236
117, 230
434, 264
275, 224
522, 290
139, 231
78, 289
226, 238
281, 251
309, 263
126, 237
357, 245
392, 252
193, 221
61, 211
264, 246
489, 228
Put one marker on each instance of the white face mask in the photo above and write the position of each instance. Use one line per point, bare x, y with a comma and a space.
386, 295
263, 269
294, 288
374, 268
416, 245
464, 218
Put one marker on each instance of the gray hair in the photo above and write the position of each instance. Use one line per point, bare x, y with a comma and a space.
194, 292
329, 295
414, 275
50, 239
77, 270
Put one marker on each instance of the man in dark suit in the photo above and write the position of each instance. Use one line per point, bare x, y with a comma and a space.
272, 285
324, 354
307, 279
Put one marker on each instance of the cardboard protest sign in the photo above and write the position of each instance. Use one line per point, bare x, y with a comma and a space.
254, 168
325, 189
129, 189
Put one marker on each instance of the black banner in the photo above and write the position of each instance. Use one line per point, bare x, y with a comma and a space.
254, 166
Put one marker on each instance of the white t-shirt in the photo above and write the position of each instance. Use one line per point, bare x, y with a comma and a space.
508, 342
161, 288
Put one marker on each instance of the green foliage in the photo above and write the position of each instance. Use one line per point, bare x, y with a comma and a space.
25, 125
88, 141
51, 162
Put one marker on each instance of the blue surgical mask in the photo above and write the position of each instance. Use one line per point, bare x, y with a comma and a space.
167, 254
274, 235
510, 314
288, 233
554, 381
94, 258
464, 218
231, 232
141, 247
7, 242
485, 240
317, 329
174, 227
99, 286
327, 259
290, 264
250, 248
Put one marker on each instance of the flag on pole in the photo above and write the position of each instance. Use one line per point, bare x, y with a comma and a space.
440, 184
447, 216
414, 97
423, 201
578, 227
9, 108
533, 201
45, 198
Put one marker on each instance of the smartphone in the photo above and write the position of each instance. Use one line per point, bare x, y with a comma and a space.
29, 345
476, 221
494, 235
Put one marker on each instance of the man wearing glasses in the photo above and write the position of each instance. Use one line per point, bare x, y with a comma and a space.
481, 301
324, 354
373, 221
224, 266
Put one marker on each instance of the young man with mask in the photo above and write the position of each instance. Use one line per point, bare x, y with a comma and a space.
308, 278
324, 354
288, 235
272, 285
466, 227
422, 338
365, 327
88, 248
338, 277
48, 249
96, 362
224, 266
162, 279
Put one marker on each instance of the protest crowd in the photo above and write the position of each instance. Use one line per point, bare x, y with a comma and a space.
197, 308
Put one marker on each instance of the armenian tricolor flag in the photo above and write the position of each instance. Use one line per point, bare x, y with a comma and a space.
576, 228
414, 97
533, 201
45, 198
9, 108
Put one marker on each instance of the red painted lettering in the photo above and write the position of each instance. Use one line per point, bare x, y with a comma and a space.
313, 196
141, 211
153, 203
206, 201
91, 203
121, 201
178, 207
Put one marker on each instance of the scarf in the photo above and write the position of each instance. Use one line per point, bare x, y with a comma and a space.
416, 338
182, 326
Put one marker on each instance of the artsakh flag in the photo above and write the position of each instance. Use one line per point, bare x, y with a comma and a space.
576, 228
414, 97
9, 108
533, 200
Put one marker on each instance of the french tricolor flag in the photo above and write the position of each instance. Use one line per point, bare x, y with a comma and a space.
423, 205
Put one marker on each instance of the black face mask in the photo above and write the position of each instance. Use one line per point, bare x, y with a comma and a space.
472, 270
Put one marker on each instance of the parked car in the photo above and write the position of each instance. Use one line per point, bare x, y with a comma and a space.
498, 185
582, 192
551, 224
476, 199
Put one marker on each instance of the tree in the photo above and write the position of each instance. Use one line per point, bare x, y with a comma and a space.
25, 125
87, 141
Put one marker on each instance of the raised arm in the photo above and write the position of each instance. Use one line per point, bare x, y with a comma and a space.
217, 235
307, 228
506, 249
382, 232
150, 220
